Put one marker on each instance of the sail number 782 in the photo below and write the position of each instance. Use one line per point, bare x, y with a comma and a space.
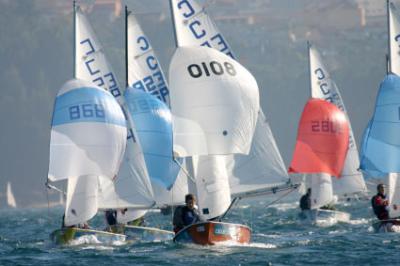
211, 68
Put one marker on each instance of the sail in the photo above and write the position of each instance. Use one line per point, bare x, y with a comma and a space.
394, 195
81, 204
129, 215
394, 39
153, 123
91, 64
322, 139
194, 27
10, 197
212, 186
144, 70
90, 61
321, 190
88, 134
263, 168
323, 87
215, 103
381, 149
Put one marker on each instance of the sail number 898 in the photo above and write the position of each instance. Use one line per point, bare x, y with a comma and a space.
211, 68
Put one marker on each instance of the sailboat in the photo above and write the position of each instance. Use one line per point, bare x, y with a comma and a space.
88, 139
320, 151
115, 193
262, 172
351, 181
10, 197
380, 145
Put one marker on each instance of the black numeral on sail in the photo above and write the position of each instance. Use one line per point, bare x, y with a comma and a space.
212, 68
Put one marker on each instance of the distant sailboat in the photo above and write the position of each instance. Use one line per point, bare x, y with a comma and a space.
10, 197
351, 181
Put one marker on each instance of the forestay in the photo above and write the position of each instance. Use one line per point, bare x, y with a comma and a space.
144, 70
394, 39
194, 27
381, 146
322, 139
154, 127
88, 134
323, 87
215, 103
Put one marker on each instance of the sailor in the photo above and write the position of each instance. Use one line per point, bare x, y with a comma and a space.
111, 219
305, 201
186, 215
379, 203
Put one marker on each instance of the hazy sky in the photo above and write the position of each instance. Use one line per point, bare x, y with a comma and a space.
272, 45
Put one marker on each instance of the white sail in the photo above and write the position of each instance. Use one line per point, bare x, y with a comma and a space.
394, 39
212, 186
174, 196
263, 168
195, 28
323, 87
129, 215
10, 197
215, 103
144, 70
88, 134
321, 190
81, 202
394, 195
91, 64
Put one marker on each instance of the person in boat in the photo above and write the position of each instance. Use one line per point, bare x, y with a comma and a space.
305, 201
186, 215
111, 219
379, 203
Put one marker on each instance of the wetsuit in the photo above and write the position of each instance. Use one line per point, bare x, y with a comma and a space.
379, 206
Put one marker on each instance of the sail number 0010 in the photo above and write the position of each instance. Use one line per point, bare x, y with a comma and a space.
212, 68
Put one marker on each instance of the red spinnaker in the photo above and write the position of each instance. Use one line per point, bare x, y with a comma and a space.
322, 139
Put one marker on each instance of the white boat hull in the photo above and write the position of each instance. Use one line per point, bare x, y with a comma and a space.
324, 217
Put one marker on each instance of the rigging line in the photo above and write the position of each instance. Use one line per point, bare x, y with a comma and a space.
184, 170
48, 203
235, 200
278, 199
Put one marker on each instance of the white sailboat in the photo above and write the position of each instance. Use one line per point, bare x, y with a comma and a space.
262, 172
10, 197
351, 181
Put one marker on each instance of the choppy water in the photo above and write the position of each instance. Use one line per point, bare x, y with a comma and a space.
278, 239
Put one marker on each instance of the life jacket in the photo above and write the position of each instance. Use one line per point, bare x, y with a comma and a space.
177, 221
379, 210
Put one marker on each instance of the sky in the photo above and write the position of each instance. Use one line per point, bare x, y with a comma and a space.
268, 37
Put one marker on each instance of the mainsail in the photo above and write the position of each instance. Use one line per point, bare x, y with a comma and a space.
88, 139
144, 71
132, 184
323, 87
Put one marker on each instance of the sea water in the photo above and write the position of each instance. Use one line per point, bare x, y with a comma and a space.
278, 238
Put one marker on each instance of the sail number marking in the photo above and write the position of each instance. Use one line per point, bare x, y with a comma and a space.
86, 110
325, 126
212, 68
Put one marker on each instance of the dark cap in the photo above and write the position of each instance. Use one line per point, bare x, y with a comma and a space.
189, 197
380, 186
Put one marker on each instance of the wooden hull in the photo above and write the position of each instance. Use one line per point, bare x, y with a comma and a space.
211, 233
66, 235
147, 234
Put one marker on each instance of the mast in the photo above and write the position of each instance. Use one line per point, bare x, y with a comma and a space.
309, 68
388, 34
173, 23
126, 46
74, 39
